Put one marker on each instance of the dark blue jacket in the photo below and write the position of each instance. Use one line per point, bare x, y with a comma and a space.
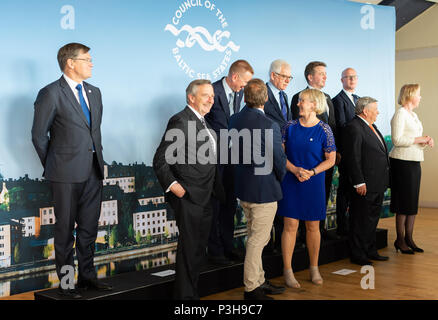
249, 186
273, 110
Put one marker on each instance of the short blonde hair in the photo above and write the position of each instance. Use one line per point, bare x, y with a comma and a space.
316, 97
407, 92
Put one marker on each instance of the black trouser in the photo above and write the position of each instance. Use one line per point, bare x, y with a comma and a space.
364, 217
77, 203
194, 224
342, 201
221, 237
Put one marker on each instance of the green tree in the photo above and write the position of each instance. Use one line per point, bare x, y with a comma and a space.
17, 255
138, 237
113, 238
149, 237
47, 251
131, 233
17, 200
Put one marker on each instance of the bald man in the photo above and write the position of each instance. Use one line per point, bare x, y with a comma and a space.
344, 105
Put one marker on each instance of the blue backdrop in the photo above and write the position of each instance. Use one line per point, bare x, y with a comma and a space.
142, 72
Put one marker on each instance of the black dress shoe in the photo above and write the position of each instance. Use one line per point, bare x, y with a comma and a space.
269, 288
256, 294
361, 261
94, 284
378, 257
220, 261
69, 293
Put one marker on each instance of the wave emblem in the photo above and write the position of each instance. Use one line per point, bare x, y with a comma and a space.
198, 34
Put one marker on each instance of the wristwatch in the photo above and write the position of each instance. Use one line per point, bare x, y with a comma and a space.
314, 172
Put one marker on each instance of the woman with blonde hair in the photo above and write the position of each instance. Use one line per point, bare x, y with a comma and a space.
405, 158
310, 149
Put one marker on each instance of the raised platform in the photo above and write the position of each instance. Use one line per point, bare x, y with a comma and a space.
141, 285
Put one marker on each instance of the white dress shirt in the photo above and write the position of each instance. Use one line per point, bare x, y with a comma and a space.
349, 95
72, 84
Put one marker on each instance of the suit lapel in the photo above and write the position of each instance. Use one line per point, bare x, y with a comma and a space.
72, 99
223, 100
274, 102
372, 135
347, 100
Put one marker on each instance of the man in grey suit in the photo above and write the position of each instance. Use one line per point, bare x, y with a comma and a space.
66, 135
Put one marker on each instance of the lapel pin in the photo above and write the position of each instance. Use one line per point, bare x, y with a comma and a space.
89, 91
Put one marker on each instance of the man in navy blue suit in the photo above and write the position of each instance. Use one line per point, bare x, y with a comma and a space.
277, 109
258, 174
228, 93
344, 105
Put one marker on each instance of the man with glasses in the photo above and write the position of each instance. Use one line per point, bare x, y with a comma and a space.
316, 76
277, 109
344, 105
66, 135
228, 93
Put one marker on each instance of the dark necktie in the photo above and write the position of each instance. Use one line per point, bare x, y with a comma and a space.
355, 98
236, 107
210, 139
84, 104
283, 105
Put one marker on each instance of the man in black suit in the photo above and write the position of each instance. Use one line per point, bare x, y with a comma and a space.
228, 93
277, 109
344, 104
316, 75
257, 183
367, 164
66, 135
188, 176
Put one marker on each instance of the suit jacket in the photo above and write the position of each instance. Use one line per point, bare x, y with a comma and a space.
199, 180
67, 153
273, 110
249, 186
331, 118
219, 115
344, 113
366, 158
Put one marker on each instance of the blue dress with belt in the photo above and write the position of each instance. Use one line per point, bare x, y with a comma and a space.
305, 148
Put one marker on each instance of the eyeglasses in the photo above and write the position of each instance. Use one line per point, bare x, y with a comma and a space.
350, 77
284, 76
84, 59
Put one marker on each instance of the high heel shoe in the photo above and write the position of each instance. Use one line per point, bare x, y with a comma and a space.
414, 248
397, 247
315, 276
290, 280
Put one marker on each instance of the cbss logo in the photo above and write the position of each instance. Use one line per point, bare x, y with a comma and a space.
219, 41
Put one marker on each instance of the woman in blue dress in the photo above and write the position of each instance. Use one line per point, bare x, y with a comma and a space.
310, 148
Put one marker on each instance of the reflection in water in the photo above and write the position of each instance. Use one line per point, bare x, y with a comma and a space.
105, 269
111, 267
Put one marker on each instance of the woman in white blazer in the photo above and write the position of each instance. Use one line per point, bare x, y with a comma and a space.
405, 157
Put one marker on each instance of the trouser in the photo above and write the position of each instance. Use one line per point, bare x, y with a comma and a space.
194, 224
364, 217
260, 217
221, 237
77, 203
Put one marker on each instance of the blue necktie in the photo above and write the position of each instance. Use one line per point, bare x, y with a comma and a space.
84, 104
283, 105
355, 98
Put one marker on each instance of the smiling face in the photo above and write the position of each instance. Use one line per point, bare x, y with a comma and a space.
305, 105
203, 99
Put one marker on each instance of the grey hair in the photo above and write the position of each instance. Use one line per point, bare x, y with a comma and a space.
193, 87
276, 66
363, 103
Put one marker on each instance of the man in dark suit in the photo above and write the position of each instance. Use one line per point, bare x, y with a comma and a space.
367, 164
344, 104
316, 75
189, 178
277, 109
228, 93
257, 183
66, 135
